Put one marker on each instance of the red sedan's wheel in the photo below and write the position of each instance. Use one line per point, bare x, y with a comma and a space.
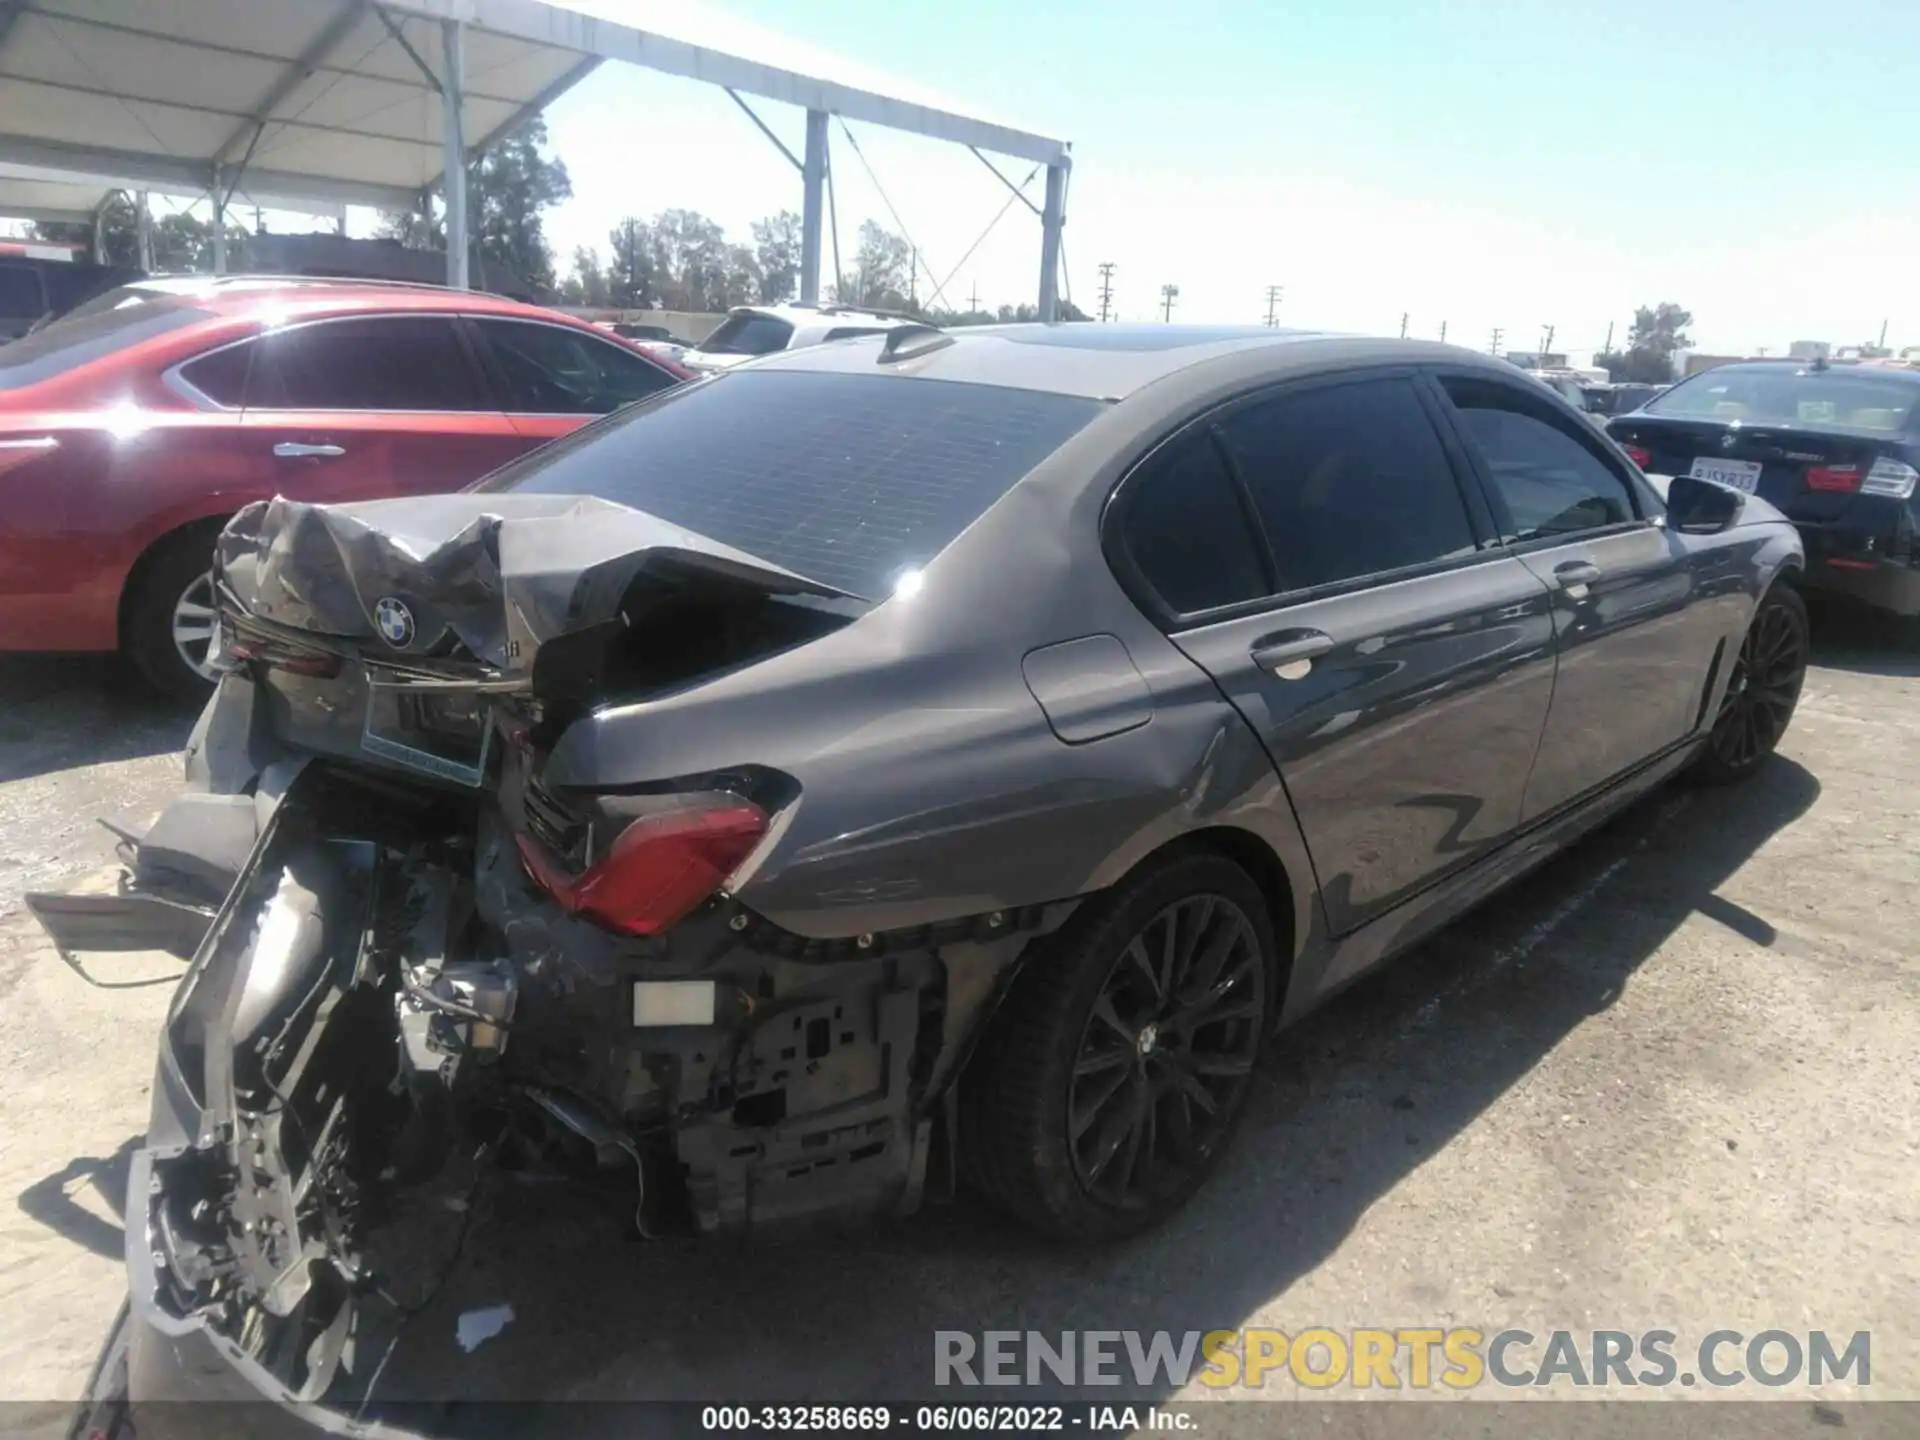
168, 624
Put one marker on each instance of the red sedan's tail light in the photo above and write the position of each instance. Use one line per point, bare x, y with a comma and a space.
1834, 479
1639, 454
661, 866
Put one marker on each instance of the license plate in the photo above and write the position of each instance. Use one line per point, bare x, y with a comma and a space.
1735, 474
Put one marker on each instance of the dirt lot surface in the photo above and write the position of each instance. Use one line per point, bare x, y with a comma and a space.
1670, 1081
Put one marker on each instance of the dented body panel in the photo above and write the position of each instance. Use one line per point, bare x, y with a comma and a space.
460, 727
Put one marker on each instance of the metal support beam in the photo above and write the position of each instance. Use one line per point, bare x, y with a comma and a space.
248, 132
219, 222
419, 61
778, 143
812, 206
508, 127
453, 179
1053, 221
143, 230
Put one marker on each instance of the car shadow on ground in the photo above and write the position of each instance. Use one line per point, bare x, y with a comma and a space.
1349, 1103
66, 711
1866, 642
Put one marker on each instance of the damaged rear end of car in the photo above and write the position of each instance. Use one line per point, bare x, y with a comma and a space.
498, 913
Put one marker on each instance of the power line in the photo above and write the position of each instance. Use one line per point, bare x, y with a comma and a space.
1168, 294
1273, 303
1107, 268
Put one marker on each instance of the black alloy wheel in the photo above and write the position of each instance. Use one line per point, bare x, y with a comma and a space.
1166, 1052
1108, 1082
1762, 691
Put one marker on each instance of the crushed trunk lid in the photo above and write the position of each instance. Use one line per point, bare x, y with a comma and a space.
469, 587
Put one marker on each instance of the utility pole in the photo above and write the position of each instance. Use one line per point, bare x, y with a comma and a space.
1761, 352
973, 300
1493, 345
1168, 294
1403, 324
1609, 349
1443, 332
1106, 289
1273, 304
1546, 344
913, 280
1883, 336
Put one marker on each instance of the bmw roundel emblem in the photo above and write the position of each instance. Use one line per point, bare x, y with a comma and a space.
395, 621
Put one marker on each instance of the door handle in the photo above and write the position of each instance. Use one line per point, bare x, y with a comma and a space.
1576, 575
1290, 654
295, 450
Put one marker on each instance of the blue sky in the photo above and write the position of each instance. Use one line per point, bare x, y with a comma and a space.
1485, 162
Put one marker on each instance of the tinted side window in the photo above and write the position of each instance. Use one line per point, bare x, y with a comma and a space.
1350, 480
386, 362
1186, 530
1550, 482
222, 376
550, 370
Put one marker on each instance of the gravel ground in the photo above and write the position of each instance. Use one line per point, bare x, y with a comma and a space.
1667, 1082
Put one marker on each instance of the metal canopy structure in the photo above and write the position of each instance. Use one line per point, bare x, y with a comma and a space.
358, 102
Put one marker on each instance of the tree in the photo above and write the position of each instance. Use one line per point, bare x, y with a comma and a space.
587, 285
509, 187
690, 255
630, 271
741, 279
882, 277
776, 242
1656, 335
508, 190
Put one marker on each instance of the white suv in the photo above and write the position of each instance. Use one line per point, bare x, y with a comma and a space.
751, 330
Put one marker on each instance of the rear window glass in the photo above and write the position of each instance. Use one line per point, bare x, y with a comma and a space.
850, 480
1813, 398
74, 340
748, 335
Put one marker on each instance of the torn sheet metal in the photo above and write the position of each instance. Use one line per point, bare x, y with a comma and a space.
498, 575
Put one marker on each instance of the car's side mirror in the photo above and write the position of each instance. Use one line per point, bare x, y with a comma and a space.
1700, 507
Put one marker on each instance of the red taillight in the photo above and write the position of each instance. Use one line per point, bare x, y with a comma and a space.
660, 868
1836, 479
1639, 455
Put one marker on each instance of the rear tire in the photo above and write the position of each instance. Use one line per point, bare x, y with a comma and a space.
166, 624
1762, 692
1110, 1079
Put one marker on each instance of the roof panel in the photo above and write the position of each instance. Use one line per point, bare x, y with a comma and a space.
114, 63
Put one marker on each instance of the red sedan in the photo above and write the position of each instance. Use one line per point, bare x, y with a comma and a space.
133, 428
